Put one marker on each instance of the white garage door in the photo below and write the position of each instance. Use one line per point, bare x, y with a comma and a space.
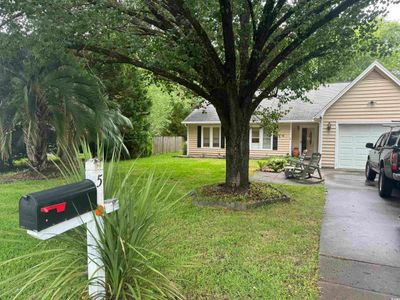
352, 153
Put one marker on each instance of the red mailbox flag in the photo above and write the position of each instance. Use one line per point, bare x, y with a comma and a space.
59, 207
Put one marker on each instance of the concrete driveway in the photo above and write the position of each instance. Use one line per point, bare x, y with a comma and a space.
360, 240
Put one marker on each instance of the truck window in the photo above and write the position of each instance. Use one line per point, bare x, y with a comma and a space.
382, 143
378, 141
394, 136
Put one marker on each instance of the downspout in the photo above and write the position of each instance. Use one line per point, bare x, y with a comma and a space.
290, 139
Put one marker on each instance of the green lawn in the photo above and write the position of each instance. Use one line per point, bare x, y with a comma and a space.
265, 253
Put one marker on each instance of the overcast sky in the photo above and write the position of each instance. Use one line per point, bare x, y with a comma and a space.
394, 13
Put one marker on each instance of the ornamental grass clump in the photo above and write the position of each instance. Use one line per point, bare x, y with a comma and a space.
130, 249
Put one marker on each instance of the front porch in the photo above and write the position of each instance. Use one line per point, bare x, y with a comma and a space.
304, 137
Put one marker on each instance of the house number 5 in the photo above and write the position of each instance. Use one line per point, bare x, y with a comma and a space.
99, 180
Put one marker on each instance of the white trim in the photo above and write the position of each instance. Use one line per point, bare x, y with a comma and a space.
219, 123
320, 138
202, 122
363, 121
211, 137
290, 139
337, 144
298, 121
374, 65
187, 141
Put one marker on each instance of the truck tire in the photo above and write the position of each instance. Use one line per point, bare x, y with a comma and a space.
385, 185
369, 173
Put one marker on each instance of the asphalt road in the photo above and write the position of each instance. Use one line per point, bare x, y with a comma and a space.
360, 240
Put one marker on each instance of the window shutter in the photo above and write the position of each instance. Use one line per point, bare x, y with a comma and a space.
198, 136
275, 142
222, 139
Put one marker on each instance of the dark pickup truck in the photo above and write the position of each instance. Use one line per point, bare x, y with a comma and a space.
383, 159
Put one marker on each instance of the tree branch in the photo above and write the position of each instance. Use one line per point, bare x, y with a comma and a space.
264, 31
117, 57
284, 54
229, 38
289, 71
183, 22
253, 19
244, 40
202, 34
290, 29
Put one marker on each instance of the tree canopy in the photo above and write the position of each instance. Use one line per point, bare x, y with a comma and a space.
126, 90
384, 46
233, 53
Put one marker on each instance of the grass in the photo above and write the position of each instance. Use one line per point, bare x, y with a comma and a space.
271, 252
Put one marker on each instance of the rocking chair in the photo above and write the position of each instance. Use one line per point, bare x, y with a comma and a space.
305, 169
293, 162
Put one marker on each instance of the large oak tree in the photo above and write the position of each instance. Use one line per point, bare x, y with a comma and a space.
233, 53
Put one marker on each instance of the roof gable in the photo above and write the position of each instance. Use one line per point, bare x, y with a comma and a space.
375, 66
321, 100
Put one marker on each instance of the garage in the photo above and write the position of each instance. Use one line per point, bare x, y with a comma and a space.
351, 151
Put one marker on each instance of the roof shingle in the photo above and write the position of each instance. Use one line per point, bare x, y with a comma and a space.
298, 109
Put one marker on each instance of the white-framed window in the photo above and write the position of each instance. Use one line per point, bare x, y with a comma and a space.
259, 139
211, 137
255, 138
267, 140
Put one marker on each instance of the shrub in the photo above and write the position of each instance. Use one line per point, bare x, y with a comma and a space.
184, 148
261, 164
274, 164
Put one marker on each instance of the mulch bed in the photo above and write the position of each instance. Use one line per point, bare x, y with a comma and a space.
259, 194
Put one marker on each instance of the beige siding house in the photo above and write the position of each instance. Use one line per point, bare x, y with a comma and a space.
337, 122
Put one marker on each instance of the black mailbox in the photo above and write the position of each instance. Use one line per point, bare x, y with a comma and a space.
44, 209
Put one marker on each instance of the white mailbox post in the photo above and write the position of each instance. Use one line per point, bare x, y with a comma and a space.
96, 269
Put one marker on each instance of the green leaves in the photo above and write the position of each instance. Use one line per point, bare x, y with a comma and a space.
383, 45
269, 117
56, 93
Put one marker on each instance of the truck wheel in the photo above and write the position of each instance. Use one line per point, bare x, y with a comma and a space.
385, 185
369, 173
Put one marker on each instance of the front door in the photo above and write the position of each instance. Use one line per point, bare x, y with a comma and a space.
308, 140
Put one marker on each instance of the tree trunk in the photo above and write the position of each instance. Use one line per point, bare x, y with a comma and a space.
36, 139
66, 143
237, 154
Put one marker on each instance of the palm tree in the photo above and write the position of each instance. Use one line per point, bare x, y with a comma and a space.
57, 95
7, 124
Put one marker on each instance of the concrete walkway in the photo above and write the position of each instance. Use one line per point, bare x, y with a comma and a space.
270, 177
360, 240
